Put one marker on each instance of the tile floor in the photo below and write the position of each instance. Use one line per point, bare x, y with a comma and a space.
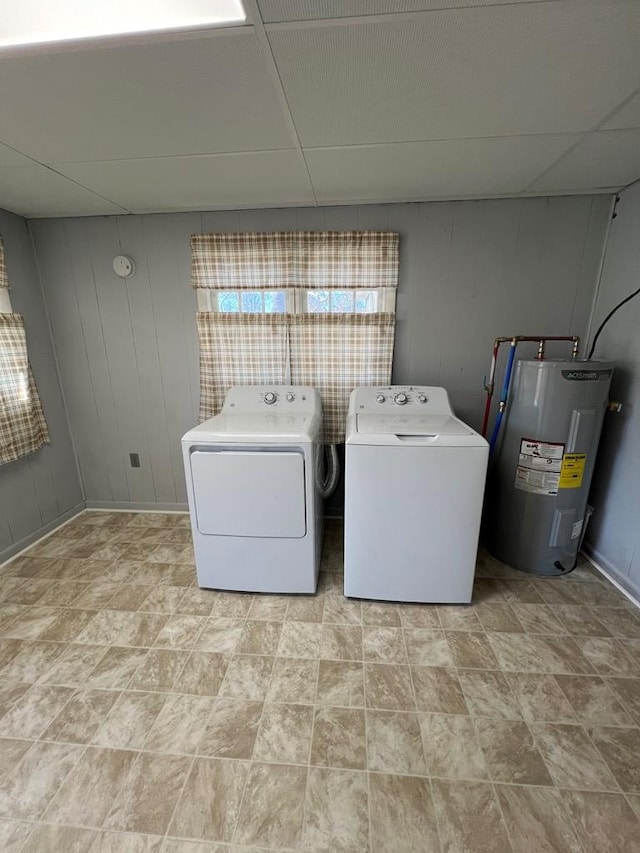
139, 714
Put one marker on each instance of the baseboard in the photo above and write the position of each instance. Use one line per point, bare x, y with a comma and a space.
128, 506
623, 582
41, 533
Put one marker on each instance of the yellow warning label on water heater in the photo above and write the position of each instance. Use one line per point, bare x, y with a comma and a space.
572, 470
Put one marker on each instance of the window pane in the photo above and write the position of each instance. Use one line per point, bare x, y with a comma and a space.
275, 302
228, 300
341, 301
366, 301
318, 301
251, 302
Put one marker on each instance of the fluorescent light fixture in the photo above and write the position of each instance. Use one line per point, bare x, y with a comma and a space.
27, 22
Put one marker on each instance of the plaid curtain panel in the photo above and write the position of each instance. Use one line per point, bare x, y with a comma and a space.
336, 353
300, 259
23, 428
239, 349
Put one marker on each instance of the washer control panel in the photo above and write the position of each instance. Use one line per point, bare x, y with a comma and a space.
414, 398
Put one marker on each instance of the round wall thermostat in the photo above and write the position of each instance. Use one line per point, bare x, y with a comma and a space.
123, 266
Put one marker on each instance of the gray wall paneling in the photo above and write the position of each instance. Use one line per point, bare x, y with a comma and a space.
613, 537
40, 490
128, 349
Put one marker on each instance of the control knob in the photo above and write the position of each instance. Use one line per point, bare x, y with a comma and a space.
270, 398
290, 397
422, 398
400, 399
380, 398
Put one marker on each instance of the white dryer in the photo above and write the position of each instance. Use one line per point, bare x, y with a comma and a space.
414, 483
252, 487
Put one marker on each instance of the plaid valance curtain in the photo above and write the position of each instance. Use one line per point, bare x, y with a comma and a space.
23, 428
331, 352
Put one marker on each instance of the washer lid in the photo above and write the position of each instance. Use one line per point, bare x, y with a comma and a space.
418, 425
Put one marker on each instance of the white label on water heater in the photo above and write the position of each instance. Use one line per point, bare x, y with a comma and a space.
576, 530
539, 466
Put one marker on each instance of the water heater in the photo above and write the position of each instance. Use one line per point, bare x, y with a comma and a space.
539, 482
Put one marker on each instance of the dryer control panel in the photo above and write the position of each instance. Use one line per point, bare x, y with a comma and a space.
293, 399
414, 398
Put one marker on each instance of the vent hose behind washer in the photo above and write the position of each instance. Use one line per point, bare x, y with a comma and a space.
331, 475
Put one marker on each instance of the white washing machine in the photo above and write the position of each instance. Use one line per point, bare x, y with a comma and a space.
414, 483
252, 486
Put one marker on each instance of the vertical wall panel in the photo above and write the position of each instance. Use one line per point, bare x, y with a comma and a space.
41, 488
468, 271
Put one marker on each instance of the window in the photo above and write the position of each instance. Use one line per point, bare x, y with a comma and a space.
252, 301
329, 301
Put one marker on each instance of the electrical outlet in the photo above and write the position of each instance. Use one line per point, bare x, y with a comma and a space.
134, 459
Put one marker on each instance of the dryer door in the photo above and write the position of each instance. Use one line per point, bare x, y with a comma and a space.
249, 493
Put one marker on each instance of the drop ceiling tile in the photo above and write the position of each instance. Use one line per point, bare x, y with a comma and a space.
302, 10
425, 170
190, 96
484, 71
223, 181
627, 117
608, 158
9, 157
35, 191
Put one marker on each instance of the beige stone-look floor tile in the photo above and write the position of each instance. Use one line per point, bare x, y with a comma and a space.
172, 845
488, 694
118, 627
394, 744
69, 839
331, 583
609, 656
149, 794
381, 614
31, 660
8, 651
540, 697
604, 822
180, 724
13, 834
402, 815
571, 757
259, 638
32, 712
471, 650
300, 640
620, 623
247, 677
427, 647
384, 645
454, 618
339, 738
210, 803
162, 599
284, 735
11, 753
74, 666
336, 812
634, 802
128, 722
273, 806
340, 683
341, 642
81, 717
62, 593
342, 611
234, 605
419, 616
388, 687
628, 691
159, 670
129, 596
10, 693
580, 620
231, 729
198, 602
538, 619
30, 623
293, 680
67, 625
535, 653
620, 748
118, 842
180, 632
593, 700
26, 792
451, 747
305, 609
537, 820
488, 591
96, 595
116, 667
202, 674
438, 690
271, 608
469, 818
510, 752
27, 591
